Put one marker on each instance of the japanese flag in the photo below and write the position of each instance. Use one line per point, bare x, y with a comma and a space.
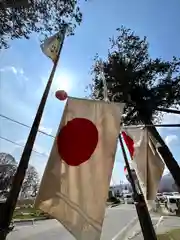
75, 185
147, 162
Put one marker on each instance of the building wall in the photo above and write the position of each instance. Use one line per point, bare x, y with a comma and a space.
118, 190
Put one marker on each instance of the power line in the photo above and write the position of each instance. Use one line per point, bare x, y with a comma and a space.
15, 143
25, 125
124, 126
49, 135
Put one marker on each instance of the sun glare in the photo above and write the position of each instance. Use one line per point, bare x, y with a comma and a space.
63, 81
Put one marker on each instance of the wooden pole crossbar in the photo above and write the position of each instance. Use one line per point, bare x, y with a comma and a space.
151, 125
168, 110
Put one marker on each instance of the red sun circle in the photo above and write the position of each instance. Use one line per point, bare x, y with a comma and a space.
77, 141
129, 142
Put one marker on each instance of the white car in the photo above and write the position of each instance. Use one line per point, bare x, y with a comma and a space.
175, 193
172, 202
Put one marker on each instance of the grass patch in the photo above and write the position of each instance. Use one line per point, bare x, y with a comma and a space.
170, 235
23, 217
27, 213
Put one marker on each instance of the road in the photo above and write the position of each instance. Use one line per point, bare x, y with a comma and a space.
115, 220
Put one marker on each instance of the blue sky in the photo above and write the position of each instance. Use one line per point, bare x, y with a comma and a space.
24, 70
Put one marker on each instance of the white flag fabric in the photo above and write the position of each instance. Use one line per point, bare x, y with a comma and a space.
75, 184
52, 45
147, 162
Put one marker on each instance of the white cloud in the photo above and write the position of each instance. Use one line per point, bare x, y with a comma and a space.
171, 118
171, 139
45, 129
16, 71
38, 149
166, 171
10, 69
21, 71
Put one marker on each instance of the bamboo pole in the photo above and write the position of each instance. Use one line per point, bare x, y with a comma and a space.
163, 149
140, 204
